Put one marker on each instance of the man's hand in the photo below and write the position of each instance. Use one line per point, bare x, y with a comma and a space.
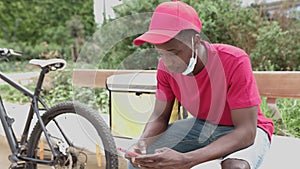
139, 148
164, 158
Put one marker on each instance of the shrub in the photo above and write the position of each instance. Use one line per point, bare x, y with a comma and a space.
58, 88
276, 49
289, 109
272, 44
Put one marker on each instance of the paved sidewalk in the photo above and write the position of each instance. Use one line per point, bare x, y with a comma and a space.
19, 113
19, 116
23, 78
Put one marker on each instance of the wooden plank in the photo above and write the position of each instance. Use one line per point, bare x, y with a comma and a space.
280, 84
97, 78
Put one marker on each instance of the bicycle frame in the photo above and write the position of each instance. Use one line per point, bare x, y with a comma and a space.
15, 146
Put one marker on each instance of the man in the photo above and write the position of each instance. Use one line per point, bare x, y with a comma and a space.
215, 83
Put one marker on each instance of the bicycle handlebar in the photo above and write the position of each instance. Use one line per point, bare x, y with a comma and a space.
7, 52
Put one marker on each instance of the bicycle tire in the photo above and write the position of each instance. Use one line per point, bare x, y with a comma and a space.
111, 157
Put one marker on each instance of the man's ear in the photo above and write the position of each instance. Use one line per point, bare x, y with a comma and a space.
197, 40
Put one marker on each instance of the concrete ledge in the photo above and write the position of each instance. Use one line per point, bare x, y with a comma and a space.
282, 154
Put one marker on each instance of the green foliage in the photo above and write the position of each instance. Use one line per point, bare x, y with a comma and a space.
58, 88
40, 28
36, 21
28, 26
56, 35
41, 51
272, 44
123, 52
289, 109
136, 6
276, 49
117, 50
96, 98
18, 66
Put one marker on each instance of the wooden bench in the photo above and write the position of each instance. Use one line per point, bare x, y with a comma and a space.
272, 85
278, 84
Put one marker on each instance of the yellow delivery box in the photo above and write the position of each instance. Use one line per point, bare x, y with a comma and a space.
131, 99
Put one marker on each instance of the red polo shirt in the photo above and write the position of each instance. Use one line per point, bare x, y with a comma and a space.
226, 83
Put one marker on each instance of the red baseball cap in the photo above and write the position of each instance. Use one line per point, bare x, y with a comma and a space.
168, 20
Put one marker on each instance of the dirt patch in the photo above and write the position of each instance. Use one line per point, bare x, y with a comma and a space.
4, 151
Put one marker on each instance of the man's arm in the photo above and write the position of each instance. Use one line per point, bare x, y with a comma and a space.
243, 135
158, 121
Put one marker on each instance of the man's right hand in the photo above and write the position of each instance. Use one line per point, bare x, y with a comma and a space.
140, 147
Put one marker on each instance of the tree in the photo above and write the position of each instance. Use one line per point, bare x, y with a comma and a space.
25, 25
76, 32
37, 21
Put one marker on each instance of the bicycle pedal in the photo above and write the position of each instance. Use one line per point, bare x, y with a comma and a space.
18, 165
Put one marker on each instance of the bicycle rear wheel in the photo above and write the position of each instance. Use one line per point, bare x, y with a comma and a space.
82, 139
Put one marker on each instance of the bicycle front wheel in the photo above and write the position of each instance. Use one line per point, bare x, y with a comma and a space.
79, 135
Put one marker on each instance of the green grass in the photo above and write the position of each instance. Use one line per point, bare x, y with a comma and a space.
289, 125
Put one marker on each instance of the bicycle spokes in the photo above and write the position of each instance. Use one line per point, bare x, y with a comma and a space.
74, 155
78, 137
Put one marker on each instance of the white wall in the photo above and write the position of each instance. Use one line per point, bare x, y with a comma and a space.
248, 2
99, 9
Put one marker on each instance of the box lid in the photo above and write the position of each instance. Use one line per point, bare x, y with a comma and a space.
133, 82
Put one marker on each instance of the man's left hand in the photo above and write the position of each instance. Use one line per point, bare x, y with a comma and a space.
164, 158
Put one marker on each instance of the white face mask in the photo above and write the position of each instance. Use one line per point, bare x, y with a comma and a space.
192, 62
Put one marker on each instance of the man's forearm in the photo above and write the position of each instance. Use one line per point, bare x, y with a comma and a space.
153, 129
158, 121
243, 135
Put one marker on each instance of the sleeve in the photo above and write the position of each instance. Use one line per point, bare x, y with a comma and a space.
242, 90
163, 90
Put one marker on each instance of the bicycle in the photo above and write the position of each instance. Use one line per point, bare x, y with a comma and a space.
52, 142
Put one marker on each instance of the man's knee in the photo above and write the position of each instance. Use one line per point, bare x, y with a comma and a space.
235, 164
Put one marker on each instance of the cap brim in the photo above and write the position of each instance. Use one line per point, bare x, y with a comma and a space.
155, 37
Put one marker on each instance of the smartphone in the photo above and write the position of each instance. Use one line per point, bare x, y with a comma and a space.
131, 153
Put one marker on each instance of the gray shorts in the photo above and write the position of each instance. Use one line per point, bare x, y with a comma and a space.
191, 134
255, 153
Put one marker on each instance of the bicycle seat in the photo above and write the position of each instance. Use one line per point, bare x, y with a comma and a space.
52, 64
